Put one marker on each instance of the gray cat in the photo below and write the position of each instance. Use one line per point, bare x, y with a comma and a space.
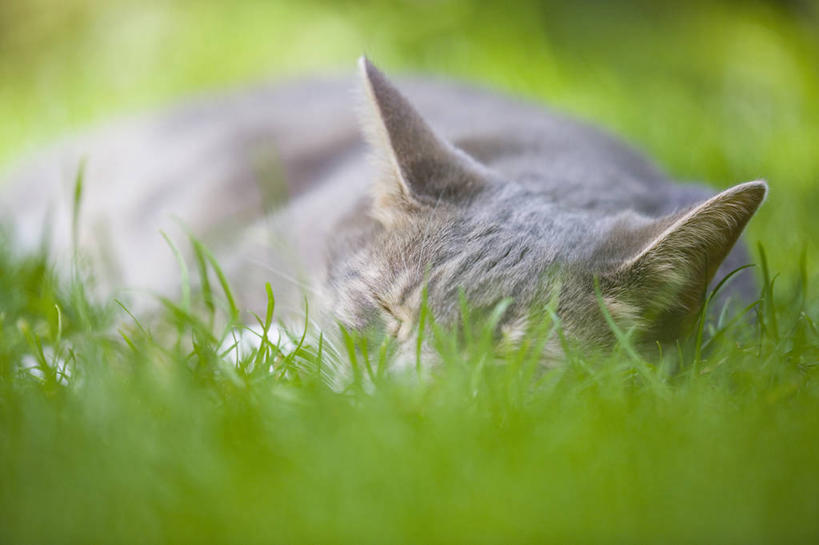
454, 191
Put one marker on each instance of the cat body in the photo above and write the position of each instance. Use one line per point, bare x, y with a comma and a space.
438, 189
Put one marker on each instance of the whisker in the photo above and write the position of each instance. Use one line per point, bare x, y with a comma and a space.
281, 274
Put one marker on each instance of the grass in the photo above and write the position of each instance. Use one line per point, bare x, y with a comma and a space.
157, 431
163, 433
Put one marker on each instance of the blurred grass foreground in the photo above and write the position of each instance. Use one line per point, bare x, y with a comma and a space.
163, 433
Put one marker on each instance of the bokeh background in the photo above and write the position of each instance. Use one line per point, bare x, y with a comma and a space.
721, 92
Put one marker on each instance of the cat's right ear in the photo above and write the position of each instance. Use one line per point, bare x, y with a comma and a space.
416, 166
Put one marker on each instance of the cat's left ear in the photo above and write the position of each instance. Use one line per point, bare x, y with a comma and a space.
417, 166
665, 281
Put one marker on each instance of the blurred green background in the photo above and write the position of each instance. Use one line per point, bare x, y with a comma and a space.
722, 92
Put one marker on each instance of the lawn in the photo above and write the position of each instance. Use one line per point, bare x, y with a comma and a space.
157, 431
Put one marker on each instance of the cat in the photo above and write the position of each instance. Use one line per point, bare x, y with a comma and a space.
438, 191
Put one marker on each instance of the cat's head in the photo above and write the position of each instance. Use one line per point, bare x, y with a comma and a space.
444, 224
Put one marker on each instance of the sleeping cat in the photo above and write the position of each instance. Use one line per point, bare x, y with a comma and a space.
453, 192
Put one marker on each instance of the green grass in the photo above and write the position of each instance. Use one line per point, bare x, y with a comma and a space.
147, 431
162, 433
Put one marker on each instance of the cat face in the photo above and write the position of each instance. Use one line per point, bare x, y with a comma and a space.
450, 229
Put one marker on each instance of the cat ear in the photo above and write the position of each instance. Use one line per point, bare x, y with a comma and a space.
668, 277
418, 165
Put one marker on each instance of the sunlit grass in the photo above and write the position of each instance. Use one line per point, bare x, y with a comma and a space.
118, 429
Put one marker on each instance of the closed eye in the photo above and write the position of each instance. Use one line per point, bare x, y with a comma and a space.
398, 327
393, 322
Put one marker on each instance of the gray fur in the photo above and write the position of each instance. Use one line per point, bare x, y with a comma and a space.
458, 189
